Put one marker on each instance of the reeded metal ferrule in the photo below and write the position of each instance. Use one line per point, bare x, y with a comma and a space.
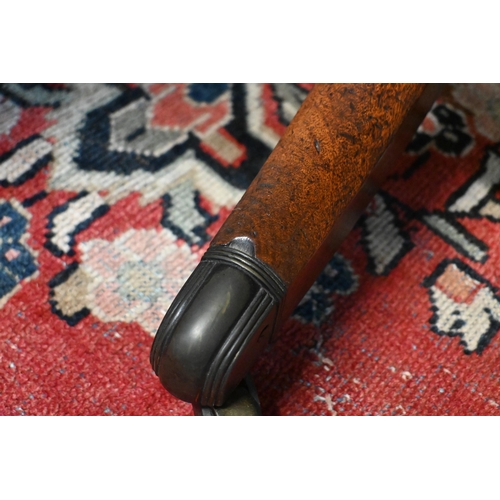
220, 321
243, 402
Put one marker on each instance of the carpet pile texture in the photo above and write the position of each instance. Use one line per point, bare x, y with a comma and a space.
110, 195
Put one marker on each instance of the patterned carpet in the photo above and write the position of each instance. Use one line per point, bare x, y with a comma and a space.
110, 194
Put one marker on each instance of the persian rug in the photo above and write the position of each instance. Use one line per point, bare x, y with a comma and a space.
110, 194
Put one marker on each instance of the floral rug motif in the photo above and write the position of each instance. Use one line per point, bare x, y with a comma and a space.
110, 195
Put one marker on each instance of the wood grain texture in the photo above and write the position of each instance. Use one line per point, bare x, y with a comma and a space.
319, 165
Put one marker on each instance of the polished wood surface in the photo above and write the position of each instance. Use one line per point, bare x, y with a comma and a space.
319, 166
